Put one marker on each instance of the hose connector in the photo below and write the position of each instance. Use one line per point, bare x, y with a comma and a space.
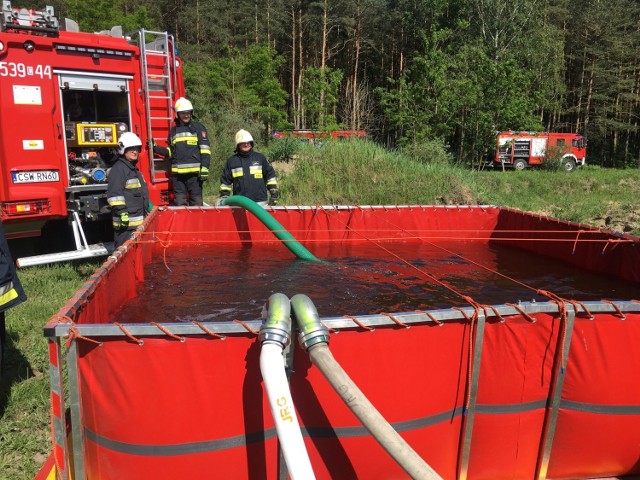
277, 325
312, 331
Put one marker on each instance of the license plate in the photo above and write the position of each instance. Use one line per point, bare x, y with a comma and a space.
35, 176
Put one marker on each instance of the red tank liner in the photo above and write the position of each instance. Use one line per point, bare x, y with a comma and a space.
553, 398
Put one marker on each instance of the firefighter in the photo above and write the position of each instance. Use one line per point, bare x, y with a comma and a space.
190, 153
127, 192
11, 292
248, 173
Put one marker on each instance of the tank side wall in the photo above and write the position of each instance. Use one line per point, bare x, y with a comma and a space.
599, 420
580, 245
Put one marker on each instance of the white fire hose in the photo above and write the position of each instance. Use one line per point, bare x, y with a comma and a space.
275, 335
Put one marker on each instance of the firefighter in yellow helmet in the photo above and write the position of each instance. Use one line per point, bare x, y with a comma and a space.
127, 192
249, 173
190, 153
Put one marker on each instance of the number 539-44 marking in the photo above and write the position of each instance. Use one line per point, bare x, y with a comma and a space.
20, 70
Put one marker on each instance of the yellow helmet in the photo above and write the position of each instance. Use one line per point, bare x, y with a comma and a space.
242, 136
183, 105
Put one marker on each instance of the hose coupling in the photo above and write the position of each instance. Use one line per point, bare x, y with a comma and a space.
277, 325
312, 331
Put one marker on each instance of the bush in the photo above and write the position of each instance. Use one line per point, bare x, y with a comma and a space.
428, 152
553, 159
283, 149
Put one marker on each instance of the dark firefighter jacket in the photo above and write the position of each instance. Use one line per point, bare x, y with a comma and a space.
248, 174
11, 292
188, 149
127, 191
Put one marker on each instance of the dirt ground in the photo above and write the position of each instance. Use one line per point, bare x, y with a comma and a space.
619, 219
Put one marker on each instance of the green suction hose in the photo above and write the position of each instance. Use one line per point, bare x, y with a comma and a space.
272, 224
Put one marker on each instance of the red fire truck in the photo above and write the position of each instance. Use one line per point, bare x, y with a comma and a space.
312, 136
66, 98
519, 150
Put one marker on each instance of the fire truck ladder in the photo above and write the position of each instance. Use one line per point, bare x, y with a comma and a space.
157, 57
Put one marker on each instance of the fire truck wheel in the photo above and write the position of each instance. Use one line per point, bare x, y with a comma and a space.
568, 164
519, 164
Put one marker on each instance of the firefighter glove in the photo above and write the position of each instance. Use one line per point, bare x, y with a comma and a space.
204, 173
150, 206
124, 220
220, 201
274, 192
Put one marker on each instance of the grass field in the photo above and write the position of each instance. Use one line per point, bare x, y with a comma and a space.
366, 174
24, 392
342, 173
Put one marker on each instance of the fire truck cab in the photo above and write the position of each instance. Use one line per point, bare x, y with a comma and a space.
520, 150
66, 97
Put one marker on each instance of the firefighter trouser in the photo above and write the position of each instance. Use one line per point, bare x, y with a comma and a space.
189, 183
121, 236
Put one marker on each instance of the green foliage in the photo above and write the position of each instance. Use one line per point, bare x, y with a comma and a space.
106, 14
453, 70
428, 151
320, 93
266, 97
241, 80
509, 87
415, 104
336, 173
283, 149
463, 91
553, 159
606, 52
243, 83
238, 90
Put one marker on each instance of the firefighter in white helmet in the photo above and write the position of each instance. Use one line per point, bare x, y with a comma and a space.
249, 173
127, 192
190, 153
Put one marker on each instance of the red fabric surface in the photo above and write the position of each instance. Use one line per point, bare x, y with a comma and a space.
172, 393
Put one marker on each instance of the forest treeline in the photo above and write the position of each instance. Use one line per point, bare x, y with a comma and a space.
444, 72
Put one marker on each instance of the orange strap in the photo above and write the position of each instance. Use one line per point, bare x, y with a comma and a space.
359, 323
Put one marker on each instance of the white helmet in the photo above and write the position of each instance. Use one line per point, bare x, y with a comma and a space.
128, 140
243, 137
183, 105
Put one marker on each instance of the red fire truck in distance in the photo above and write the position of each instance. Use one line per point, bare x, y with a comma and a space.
66, 98
520, 150
313, 136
